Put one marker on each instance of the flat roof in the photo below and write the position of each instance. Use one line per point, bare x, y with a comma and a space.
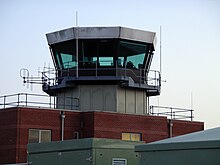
205, 135
207, 139
102, 32
81, 144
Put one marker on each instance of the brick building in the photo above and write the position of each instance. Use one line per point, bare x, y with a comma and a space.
15, 124
101, 89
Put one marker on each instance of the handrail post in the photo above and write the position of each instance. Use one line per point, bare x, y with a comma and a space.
171, 115
50, 101
146, 76
191, 114
18, 99
71, 103
159, 79
152, 110
4, 100
54, 102
26, 99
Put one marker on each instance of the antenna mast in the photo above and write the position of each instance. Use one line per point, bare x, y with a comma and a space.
160, 51
77, 45
191, 100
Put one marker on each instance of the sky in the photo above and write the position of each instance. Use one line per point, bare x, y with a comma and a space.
190, 44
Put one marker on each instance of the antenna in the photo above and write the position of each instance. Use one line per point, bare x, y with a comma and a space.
77, 55
191, 100
160, 51
42, 79
24, 74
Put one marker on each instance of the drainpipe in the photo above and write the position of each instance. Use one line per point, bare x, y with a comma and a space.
170, 128
62, 116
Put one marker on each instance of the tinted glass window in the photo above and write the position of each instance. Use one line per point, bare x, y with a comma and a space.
65, 54
68, 60
133, 53
106, 61
100, 52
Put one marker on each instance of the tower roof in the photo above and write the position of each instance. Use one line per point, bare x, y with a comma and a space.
102, 32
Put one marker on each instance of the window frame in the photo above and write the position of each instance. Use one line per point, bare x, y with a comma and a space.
97, 48
39, 135
130, 136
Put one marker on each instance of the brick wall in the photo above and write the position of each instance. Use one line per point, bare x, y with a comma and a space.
87, 124
111, 125
8, 136
16, 122
72, 124
152, 128
183, 127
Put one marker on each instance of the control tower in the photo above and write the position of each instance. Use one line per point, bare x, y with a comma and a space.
103, 69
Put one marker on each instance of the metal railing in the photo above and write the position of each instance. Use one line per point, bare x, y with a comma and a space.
45, 101
172, 113
37, 100
52, 76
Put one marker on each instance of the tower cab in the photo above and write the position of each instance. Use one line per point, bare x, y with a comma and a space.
105, 68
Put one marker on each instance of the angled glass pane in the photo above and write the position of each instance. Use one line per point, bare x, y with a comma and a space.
64, 54
68, 60
135, 61
133, 53
57, 57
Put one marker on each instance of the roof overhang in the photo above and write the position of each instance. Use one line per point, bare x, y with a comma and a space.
102, 32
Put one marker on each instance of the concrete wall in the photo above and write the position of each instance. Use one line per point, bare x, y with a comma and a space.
131, 101
90, 98
110, 98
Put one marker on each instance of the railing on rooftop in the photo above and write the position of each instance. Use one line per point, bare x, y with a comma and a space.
45, 101
172, 113
37, 100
